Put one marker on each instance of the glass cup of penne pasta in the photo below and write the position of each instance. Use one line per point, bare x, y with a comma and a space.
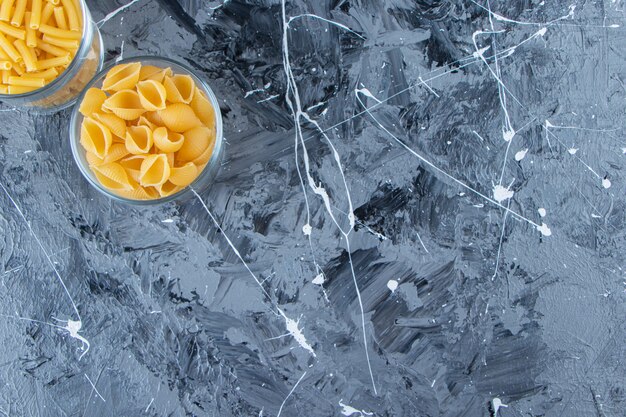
147, 130
49, 51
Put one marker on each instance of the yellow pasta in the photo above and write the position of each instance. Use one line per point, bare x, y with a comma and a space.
5, 10
51, 49
122, 77
53, 62
54, 2
167, 141
152, 95
72, 15
20, 89
150, 72
116, 125
59, 33
203, 108
5, 76
26, 81
95, 137
35, 19
161, 137
18, 13
180, 88
113, 176
6, 65
139, 139
29, 60
183, 176
70, 44
31, 34
179, 117
59, 18
92, 101
12, 31
125, 104
4, 89
9, 49
48, 74
47, 12
154, 171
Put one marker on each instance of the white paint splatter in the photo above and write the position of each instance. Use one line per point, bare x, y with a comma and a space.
347, 410
572, 151
497, 404
542, 211
318, 280
280, 410
296, 333
392, 284
167, 221
367, 93
521, 154
501, 193
307, 229
606, 183
544, 229
624, 150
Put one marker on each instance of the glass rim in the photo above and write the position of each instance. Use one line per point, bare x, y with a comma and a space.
57, 80
210, 165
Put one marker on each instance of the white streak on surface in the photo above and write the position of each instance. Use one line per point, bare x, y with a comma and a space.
296, 109
280, 410
292, 325
95, 389
314, 16
115, 12
392, 284
606, 183
542, 212
544, 229
73, 327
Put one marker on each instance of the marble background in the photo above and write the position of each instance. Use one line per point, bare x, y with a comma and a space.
420, 212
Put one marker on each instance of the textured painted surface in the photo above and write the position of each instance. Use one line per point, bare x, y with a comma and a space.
487, 243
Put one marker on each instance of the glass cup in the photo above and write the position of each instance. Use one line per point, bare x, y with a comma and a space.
63, 90
204, 179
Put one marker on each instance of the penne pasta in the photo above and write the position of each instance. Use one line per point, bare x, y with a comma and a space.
18, 69
54, 2
5, 76
59, 18
9, 49
59, 33
51, 49
35, 13
18, 13
72, 15
63, 43
12, 31
6, 65
29, 60
53, 62
48, 74
20, 89
5, 10
46, 13
31, 34
27, 81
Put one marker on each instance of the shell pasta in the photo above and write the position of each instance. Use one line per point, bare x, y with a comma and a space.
147, 133
36, 44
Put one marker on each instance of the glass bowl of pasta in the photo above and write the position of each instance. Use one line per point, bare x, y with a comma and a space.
147, 130
49, 51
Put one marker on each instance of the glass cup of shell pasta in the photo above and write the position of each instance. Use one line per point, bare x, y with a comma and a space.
146, 130
49, 51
